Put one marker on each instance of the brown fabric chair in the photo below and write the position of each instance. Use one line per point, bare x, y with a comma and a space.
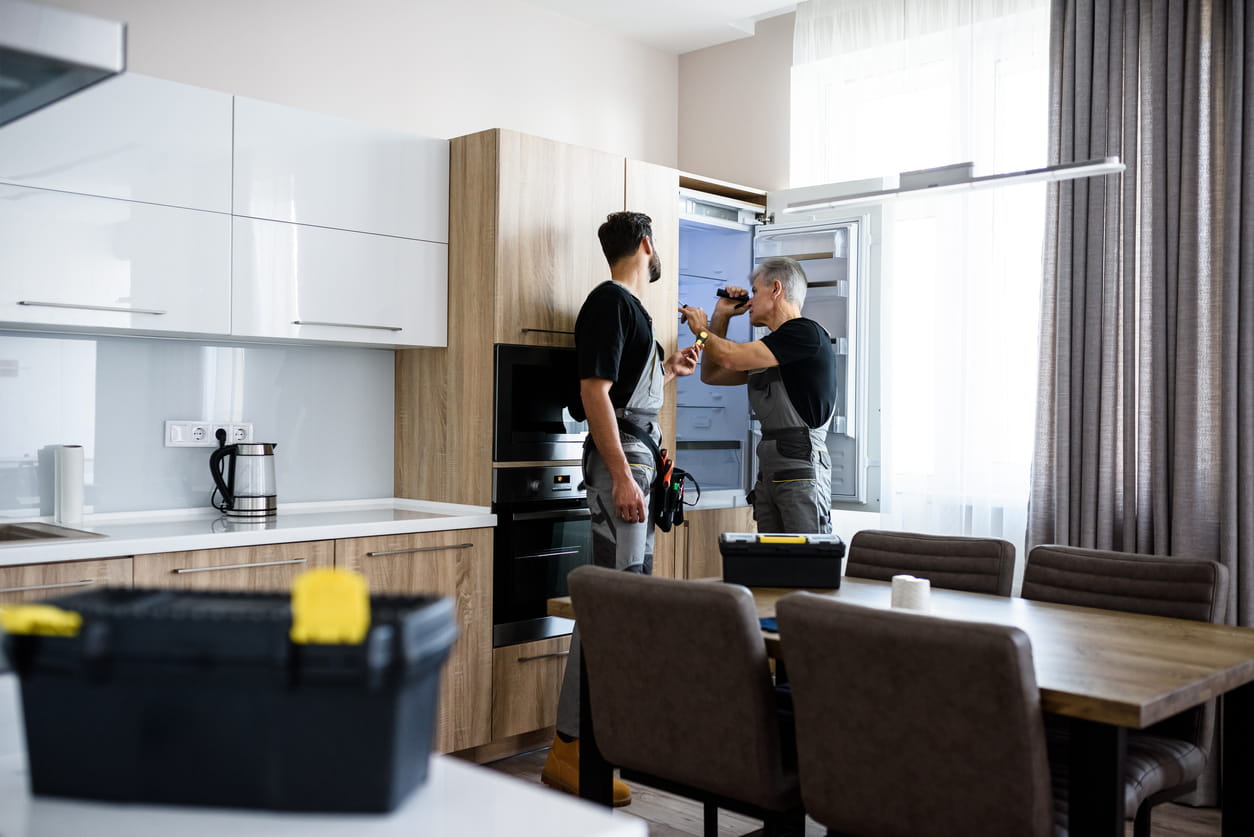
909, 724
977, 565
681, 693
1165, 760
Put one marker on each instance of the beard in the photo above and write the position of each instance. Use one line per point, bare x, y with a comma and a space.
655, 268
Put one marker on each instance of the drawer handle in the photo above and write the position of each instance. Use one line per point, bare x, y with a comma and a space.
544, 656
545, 331
347, 325
418, 549
118, 308
85, 583
239, 566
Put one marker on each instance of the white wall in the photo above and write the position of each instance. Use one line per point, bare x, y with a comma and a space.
734, 106
437, 67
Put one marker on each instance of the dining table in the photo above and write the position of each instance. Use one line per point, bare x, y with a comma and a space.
1106, 671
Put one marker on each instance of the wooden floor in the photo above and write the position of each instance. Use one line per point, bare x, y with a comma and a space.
672, 816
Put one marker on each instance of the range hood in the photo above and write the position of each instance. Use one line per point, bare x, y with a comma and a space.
48, 53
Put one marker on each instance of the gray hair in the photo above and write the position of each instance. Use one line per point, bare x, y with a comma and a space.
788, 273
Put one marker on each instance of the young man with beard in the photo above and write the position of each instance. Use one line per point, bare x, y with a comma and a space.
622, 372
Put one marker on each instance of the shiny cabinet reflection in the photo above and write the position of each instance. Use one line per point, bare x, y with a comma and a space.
71, 261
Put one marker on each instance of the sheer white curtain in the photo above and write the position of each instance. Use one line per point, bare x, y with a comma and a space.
884, 86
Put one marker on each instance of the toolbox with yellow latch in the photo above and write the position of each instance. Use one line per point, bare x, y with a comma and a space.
324, 700
781, 560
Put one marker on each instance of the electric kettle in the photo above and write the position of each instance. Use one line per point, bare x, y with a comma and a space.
247, 488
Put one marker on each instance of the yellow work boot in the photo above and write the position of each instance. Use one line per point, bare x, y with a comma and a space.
561, 771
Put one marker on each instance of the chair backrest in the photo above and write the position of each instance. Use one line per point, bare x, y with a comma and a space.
680, 684
977, 565
1159, 585
909, 724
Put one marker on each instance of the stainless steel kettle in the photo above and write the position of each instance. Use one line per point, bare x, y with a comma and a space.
247, 488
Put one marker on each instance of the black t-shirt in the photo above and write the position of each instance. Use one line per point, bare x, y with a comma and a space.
613, 334
808, 366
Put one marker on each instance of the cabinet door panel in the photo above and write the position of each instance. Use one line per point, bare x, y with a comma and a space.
525, 683
310, 168
318, 284
703, 560
458, 564
35, 582
551, 199
268, 568
97, 263
130, 137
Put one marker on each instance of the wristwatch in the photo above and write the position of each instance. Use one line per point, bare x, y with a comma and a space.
701, 338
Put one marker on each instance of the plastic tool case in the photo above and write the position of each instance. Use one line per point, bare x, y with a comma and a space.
205, 698
781, 560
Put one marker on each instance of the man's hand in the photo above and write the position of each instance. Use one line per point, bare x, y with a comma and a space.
695, 318
730, 306
629, 499
683, 362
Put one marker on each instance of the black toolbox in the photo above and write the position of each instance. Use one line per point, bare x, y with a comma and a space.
204, 698
781, 560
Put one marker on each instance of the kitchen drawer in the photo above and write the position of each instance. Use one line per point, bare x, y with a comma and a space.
34, 582
525, 683
268, 568
458, 564
98, 264
711, 424
322, 285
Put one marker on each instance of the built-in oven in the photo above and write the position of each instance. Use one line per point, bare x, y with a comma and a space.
544, 531
531, 422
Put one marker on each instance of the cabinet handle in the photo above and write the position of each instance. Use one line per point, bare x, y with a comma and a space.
238, 566
544, 656
545, 331
418, 549
347, 325
85, 583
118, 308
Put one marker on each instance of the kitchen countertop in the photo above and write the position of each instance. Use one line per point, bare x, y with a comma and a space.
457, 798
178, 530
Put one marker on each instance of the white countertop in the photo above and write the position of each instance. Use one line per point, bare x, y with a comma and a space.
139, 533
457, 798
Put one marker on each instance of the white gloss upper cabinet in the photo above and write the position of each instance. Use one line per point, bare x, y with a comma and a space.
323, 285
99, 264
309, 168
131, 137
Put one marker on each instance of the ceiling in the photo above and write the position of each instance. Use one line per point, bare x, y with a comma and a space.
675, 26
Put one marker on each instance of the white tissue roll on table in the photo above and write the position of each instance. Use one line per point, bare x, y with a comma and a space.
68, 497
911, 593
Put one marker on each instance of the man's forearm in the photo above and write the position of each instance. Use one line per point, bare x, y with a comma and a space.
603, 425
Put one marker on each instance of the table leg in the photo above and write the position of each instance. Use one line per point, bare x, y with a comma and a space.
596, 777
1095, 779
1237, 804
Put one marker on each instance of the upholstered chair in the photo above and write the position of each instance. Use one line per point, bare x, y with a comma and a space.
977, 565
1163, 761
909, 724
681, 693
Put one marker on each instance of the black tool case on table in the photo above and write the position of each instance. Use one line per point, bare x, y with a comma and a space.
781, 560
201, 698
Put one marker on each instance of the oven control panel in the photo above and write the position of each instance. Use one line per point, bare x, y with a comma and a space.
547, 482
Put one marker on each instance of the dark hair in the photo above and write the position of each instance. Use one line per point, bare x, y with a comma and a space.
622, 233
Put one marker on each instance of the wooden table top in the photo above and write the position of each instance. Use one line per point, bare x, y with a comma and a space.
1125, 669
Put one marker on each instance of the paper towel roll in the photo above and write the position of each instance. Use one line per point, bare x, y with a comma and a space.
911, 593
68, 498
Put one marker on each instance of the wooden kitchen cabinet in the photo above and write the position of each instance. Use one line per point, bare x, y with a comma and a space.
700, 556
455, 563
34, 582
260, 569
526, 679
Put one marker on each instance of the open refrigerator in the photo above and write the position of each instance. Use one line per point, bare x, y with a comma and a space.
721, 239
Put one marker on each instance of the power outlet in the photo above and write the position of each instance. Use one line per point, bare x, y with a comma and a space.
192, 433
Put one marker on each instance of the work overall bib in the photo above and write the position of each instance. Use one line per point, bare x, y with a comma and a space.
616, 543
794, 485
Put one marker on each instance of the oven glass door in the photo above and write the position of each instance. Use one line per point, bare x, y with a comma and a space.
535, 551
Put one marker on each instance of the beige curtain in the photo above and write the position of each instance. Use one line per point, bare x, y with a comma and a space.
1145, 425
